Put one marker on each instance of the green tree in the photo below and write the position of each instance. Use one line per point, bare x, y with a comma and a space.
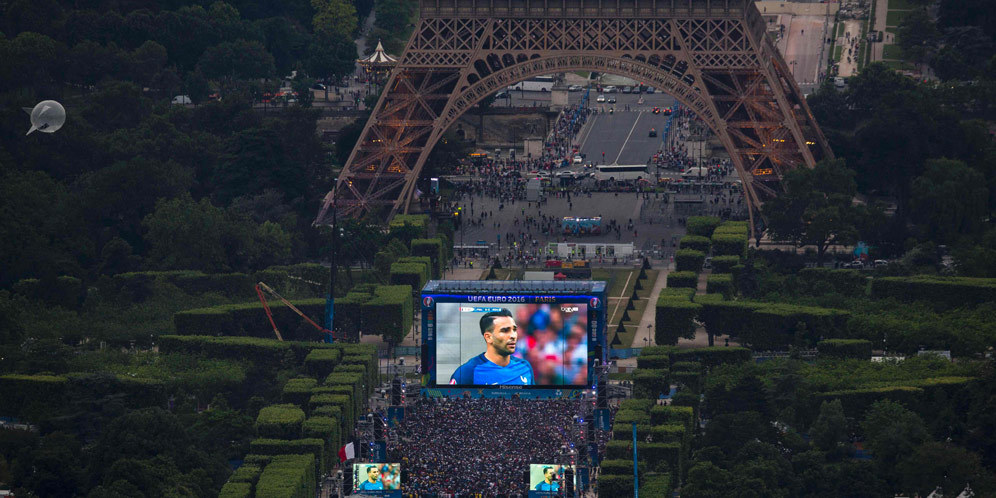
951, 467
917, 35
334, 18
185, 234
239, 59
949, 200
829, 431
331, 57
816, 208
891, 432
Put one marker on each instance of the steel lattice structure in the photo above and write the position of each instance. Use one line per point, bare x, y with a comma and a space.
713, 56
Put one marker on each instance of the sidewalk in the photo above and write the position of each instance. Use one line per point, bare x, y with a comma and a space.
644, 332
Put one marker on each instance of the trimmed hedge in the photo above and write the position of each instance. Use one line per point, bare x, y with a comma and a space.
261, 352
312, 447
720, 283
280, 422
325, 428
332, 411
686, 366
952, 292
288, 476
302, 280
236, 490
724, 264
712, 356
622, 467
857, 401
726, 244
689, 260
684, 279
658, 485
298, 391
617, 485
669, 453
650, 383
640, 405
249, 320
433, 248
820, 281
349, 313
64, 290
770, 325
33, 397
246, 473
413, 271
691, 380
674, 319
845, 348
390, 313
672, 415
630, 416
653, 362
695, 242
320, 362
702, 225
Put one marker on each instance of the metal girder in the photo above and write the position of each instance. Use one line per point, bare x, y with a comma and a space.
711, 55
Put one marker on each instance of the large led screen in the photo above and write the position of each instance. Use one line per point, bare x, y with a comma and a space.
512, 344
374, 478
547, 479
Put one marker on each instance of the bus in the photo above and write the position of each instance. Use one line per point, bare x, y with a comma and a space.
535, 84
622, 168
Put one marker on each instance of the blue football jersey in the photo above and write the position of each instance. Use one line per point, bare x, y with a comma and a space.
483, 372
370, 486
543, 486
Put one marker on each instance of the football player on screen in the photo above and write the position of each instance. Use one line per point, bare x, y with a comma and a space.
496, 365
373, 480
549, 474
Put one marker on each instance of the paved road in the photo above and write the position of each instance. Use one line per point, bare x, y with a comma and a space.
801, 47
623, 136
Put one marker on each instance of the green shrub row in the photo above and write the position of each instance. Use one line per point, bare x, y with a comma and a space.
321, 362
250, 320
288, 476
720, 283
672, 415
64, 291
297, 391
413, 271
724, 264
765, 326
258, 351
236, 490
845, 348
689, 260
434, 249
659, 453
650, 383
674, 319
310, 446
948, 292
821, 281
685, 279
280, 422
702, 225
696, 242
728, 244
328, 429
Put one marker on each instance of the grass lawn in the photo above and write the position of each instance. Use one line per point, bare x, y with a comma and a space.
892, 52
892, 29
837, 51
840, 30
900, 5
895, 17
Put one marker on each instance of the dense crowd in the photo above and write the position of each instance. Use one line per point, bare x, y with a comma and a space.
483, 447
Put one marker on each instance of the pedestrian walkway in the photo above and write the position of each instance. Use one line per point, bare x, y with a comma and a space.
645, 331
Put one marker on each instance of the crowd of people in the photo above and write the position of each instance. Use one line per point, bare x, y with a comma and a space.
483, 447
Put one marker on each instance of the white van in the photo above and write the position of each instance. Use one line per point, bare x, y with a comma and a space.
695, 172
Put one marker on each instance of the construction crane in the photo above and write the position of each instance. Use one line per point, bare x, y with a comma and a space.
261, 288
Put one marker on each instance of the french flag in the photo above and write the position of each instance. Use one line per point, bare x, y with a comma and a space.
347, 452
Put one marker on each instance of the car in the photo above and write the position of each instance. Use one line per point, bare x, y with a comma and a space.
574, 88
181, 100
612, 100
611, 89
855, 265
318, 86
627, 89
667, 111
502, 94
653, 132
881, 262
578, 159
650, 89
657, 110
601, 98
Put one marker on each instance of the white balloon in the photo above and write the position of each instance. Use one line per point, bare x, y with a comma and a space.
47, 117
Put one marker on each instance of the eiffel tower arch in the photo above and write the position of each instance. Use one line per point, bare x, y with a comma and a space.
713, 56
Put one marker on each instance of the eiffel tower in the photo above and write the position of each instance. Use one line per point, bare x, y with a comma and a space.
713, 56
